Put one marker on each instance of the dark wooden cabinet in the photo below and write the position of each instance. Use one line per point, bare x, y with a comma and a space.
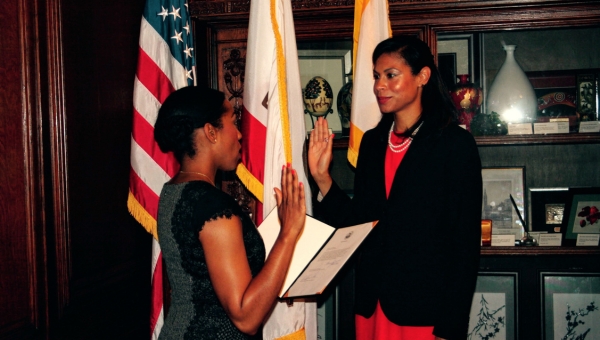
550, 160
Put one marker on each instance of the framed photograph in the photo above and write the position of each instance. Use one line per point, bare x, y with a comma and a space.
546, 209
457, 55
494, 307
447, 68
570, 304
335, 66
498, 185
582, 214
587, 96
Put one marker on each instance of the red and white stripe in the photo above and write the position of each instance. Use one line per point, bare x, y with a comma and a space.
158, 74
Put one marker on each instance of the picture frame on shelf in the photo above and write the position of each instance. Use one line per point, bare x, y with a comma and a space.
570, 305
557, 96
581, 214
587, 96
494, 307
546, 209
447, 67
335, 66
499, 183
458, 54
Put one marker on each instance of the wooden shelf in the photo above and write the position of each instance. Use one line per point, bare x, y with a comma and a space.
540, 251
574, 138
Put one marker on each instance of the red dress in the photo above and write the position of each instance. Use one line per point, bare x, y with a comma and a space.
377, 326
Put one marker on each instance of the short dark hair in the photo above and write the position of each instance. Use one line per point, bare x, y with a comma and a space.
436, 102
184, 111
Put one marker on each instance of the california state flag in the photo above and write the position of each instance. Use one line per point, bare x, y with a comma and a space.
274, 135
371, 26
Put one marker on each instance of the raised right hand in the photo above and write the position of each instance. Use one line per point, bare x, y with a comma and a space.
320, 155
291, 204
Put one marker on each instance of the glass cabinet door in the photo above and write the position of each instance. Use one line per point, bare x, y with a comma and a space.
561, 67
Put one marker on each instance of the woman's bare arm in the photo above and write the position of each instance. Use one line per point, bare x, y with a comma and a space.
248, 300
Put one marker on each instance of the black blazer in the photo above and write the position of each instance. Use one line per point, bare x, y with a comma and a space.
421, 260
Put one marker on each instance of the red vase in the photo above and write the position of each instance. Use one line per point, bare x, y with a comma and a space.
467, 98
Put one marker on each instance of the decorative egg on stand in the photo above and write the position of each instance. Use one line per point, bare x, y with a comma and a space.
318, 98
344, 106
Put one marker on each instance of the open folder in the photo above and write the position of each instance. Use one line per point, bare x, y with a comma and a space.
319, 255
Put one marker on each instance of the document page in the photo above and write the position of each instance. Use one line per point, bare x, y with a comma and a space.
314, 235
329, 260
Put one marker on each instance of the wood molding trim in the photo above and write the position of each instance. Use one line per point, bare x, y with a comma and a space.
58, 154
44, 164
221, 9
33, 165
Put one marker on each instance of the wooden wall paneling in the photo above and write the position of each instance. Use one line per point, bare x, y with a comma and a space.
23, 308
104, 253
32, 78
56, 165
230, 64
65, 108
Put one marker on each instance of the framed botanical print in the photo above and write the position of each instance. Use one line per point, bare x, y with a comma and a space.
494, 307
570, 305
582, 214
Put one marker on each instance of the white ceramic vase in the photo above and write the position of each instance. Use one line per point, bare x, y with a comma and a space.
511, 94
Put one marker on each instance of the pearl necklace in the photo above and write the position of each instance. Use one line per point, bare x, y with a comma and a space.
405, 144
201, 174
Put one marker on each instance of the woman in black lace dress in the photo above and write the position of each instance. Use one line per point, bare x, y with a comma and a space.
221, 285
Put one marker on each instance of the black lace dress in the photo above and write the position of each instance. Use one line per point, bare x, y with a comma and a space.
195, 312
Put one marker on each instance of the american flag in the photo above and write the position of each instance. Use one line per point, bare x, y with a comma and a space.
165, 64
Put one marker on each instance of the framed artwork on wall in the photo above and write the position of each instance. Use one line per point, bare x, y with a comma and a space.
494, 307
498, 185
582, 214
456, 55
570, 305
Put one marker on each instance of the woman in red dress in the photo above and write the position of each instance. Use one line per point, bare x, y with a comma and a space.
419, 174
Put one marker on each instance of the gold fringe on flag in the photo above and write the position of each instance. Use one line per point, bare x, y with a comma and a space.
297, 335
250, 182
281, 83
141, 215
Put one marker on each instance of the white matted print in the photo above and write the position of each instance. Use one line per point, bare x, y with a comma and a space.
581, 214
493, 310
575, 316
570, 306
498, 185
488, 316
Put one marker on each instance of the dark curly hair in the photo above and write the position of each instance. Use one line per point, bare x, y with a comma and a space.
184, 111
438, 107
